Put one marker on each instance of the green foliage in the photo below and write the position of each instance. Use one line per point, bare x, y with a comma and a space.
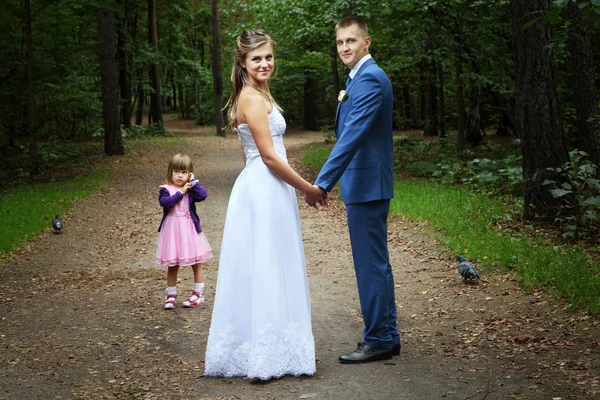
577, 186
137, 131
501, 175
28, 210
53, 155
144, 131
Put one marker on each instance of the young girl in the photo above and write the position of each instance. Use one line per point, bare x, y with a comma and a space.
181, 240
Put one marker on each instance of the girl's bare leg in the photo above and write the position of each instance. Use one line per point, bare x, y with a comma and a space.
172, 275
198, 275
171, 287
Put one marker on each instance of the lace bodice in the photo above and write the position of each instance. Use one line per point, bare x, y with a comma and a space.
277, 125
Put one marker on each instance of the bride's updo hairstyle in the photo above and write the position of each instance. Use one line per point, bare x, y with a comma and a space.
245, 43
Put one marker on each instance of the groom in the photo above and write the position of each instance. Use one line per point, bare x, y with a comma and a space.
362, 161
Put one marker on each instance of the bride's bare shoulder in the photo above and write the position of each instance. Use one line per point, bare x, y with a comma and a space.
252, 103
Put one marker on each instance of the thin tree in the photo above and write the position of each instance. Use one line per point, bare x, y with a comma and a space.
216, 67
537, 113
124, 66
141, 98
156, 111
198, 87
431, 103
585, 95
34, 168
333, 62
473, 113
460, 101
442, 100
113, 142
309, 122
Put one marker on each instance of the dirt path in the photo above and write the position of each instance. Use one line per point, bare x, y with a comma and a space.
81, 315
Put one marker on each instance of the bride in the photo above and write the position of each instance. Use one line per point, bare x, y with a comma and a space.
261, 325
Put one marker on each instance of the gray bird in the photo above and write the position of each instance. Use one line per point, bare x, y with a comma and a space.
466, 269
57, 223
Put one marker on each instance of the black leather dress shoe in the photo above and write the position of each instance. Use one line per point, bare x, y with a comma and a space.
396, 350
364, 354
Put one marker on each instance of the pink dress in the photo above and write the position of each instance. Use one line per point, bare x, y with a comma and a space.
179, 243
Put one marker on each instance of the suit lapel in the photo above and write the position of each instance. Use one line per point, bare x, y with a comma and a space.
337, 113
339, 105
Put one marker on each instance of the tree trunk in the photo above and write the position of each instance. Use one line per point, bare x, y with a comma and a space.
133, 32
124, 74
537, 114
583, 84
408, 114
309, 122
156, 111
139, 115
460, 102
174, 99
422, 92
198, 87
442, 100
34, 168
113, 142
182, 102
216, 67
473, 134
431, 107
335, 76
12, 123
503, 129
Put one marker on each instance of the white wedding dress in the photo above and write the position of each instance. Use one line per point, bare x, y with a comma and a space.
261, 324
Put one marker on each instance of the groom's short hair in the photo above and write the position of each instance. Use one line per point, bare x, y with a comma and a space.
353, 20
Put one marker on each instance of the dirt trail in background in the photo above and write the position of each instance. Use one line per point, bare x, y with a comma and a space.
81, 312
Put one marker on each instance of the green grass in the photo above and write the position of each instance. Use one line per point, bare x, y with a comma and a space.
26, 211
463, 221
315, 155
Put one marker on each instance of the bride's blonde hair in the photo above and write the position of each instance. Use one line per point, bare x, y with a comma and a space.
245, 43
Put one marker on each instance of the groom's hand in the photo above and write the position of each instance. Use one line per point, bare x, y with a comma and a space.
315, 196
324, 197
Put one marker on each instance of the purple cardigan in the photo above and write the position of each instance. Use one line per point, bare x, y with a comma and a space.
168, 201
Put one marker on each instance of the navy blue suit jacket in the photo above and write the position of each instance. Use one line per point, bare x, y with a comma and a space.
362, 158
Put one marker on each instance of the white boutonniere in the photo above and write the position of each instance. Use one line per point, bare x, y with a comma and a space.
342, 96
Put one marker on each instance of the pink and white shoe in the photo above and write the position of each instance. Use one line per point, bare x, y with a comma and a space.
195, 300
171, 302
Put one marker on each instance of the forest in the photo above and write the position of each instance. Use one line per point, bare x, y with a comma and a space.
496, 153
464, 72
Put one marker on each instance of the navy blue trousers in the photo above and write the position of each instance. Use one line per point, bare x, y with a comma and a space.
367, 223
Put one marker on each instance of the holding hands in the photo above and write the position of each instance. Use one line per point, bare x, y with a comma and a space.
315, 195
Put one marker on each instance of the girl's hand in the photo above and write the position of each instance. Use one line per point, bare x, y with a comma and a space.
185, 188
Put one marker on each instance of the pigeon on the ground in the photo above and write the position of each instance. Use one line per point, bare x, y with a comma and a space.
466, 269
57, 223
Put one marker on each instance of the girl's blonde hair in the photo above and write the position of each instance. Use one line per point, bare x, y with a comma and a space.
179, 162
245, 43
